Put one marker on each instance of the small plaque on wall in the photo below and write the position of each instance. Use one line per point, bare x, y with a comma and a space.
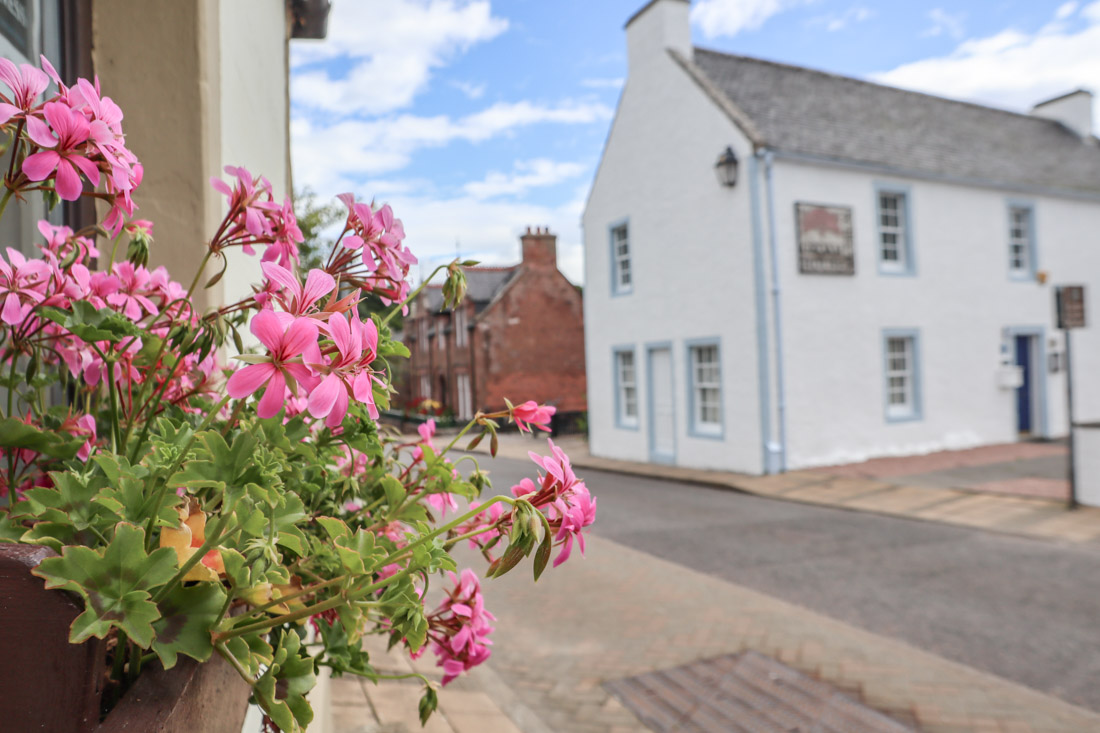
825, 239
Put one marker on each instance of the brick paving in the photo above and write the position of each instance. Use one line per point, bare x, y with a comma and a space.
945, 460
620, 613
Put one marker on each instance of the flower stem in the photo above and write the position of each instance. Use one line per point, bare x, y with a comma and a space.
4, 201
235, 663
398, 306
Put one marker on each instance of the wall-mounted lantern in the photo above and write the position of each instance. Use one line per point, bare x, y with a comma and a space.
726, 168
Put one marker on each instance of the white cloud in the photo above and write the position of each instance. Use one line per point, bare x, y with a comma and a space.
472, 91
1065, 10
526, 174
1011, 68
389, 49
348, 150
730, 17
487, 231
834, 23
614, 83
944, 22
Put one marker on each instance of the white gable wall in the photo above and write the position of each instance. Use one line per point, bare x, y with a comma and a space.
691, 254
960, 300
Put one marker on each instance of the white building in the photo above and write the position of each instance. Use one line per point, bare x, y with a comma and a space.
877, 281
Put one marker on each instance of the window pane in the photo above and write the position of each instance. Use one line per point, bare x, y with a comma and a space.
707, 395
630, 402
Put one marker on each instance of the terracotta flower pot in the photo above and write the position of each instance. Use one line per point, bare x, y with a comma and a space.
48, 684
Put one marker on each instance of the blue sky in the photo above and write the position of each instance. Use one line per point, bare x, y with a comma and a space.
477, 118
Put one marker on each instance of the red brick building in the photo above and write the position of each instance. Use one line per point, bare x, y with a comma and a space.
519, 333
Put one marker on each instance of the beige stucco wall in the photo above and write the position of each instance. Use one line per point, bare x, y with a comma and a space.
254, 121
202, 84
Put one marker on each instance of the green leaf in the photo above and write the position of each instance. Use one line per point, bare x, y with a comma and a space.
187, 615
237, 569
508, 560
292, 669
252, 651
10, 530
114, 583
18, 434
395, 491
542, 556
393, 348
428, 703
359, 554
335, 528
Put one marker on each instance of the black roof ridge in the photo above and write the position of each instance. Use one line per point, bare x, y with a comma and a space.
842, 77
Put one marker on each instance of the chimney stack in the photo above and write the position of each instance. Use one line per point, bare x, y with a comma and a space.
660, 25
540, 248
1074, 110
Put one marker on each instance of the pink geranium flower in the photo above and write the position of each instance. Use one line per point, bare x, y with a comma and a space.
569, 508
349, 372
245, 200
427, 432
70, 131
26, 83
22, 282
296, 298
532, 413
289, 340
460, 627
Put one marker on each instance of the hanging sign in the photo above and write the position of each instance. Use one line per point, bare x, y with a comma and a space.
825, 240
1070, 300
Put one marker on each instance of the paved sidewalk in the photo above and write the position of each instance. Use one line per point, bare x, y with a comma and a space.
619, 613
876, 486
474, 703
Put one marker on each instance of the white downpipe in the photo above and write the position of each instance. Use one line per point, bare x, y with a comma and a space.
777, 318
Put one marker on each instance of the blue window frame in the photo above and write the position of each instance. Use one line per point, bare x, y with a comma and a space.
901, 374
1022, 253
894, 230
704, 370
622, 270
624, 363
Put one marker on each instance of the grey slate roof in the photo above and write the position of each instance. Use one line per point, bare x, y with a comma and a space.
482, 285
813, 113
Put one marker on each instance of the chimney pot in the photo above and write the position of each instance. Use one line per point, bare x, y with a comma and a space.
540, 248
1074, 110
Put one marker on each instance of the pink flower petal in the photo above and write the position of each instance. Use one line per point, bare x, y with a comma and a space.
249, 379
318, 284
339, 410
280, 275
87, 167
12, 313
324, 396
67, 184
39, 132
266, 327
273, 398
299, 336
39, 166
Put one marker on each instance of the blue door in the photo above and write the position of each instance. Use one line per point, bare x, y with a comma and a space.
1023, 392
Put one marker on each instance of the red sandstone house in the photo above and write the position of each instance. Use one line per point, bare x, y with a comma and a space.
518, 334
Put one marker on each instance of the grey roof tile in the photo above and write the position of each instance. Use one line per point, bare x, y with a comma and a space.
482, 285
800, 110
